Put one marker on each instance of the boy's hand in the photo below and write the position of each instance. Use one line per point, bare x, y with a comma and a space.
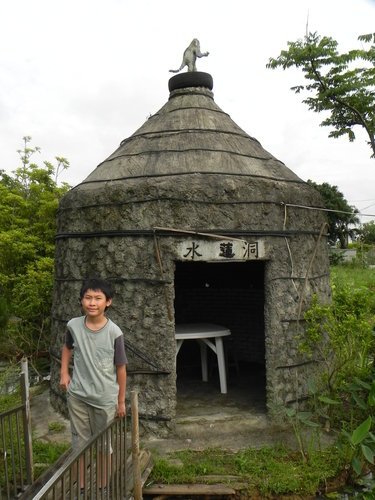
121, 410
64, 382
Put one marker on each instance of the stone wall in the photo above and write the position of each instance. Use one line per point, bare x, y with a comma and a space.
144, 303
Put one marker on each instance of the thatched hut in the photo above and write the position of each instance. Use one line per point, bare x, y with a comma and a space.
193, 221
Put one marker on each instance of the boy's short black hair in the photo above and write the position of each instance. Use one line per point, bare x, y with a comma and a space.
97, 284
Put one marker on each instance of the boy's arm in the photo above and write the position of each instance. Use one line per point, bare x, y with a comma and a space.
66, 356
121, 380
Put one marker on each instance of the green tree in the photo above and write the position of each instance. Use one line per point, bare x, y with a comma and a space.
341, 216
367, 233
335, 85
29, 200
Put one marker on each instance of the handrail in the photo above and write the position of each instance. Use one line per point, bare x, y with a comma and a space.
106, 452
103, 461
12, 410
15, 443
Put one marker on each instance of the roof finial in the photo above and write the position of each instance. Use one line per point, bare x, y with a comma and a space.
190, 56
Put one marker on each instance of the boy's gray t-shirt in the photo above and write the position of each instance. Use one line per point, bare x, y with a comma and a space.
96, 354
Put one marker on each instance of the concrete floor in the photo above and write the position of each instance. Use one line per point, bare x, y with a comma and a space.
245, 395
206, 418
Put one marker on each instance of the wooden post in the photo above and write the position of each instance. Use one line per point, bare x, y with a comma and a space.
25, 394
135, 446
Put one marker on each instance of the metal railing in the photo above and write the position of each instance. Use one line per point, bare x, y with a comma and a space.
97, 471
16, 460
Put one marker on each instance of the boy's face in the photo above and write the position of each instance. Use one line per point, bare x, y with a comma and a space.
94, 303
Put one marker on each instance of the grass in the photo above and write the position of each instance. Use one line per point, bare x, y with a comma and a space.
8, 401
267, 471
46, 454
56, 427
355, 274
357, 277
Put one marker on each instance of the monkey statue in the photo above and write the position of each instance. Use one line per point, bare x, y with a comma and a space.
190, 57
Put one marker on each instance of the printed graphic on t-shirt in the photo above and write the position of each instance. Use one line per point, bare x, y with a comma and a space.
104, 359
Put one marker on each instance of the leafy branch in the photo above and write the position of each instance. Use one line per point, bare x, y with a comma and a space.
335, 85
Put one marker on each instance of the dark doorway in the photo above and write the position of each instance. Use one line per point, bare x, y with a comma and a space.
229, 294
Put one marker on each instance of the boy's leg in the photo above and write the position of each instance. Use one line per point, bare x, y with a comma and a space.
101, 418
80, 423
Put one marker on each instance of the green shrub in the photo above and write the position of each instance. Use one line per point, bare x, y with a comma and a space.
342, 335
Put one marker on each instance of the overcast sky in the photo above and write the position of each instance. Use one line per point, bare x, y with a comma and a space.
79, 76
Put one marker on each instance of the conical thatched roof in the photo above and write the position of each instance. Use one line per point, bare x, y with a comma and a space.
189, 150
190, 134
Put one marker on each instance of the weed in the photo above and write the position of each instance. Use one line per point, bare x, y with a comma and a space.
56, 426
46, 454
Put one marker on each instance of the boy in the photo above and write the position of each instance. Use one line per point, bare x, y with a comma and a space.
96, 391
